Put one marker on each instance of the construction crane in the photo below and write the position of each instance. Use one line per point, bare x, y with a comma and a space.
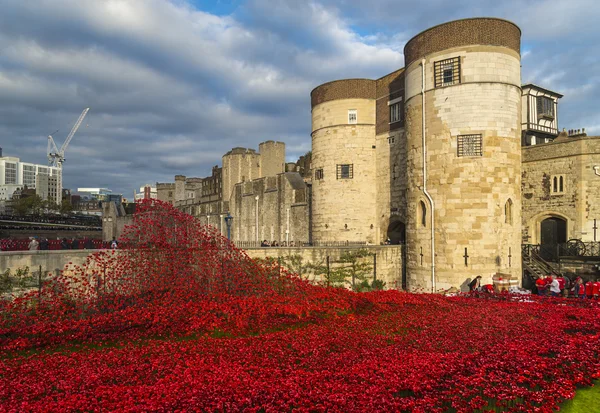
56, 157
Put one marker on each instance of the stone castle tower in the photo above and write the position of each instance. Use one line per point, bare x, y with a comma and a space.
432, 150
343, 161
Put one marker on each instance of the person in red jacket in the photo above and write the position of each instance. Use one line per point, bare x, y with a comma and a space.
589, 289
541, 286
596, 289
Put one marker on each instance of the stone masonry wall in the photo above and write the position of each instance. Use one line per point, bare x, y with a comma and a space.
344, 209
389, 259
469, 192
579, 204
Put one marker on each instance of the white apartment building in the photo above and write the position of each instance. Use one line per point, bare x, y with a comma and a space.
14, 174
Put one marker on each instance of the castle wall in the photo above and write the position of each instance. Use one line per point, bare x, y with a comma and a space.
391, 157
469, 192
388, 261
573, 159
344, 209
282, 209
165, 192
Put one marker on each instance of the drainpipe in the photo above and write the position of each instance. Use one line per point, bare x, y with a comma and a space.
432, 209
596, 168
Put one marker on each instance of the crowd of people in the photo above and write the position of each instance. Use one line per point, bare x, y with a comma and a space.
82, 220
44, 244
266, 243
556, 286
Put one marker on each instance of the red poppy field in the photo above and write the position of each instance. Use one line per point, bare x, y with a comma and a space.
180, 320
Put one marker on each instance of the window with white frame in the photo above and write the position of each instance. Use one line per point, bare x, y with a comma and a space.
319, 174
352, 116
396, 112
557, 184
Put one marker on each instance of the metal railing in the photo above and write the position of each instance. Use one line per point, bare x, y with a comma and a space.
293, 244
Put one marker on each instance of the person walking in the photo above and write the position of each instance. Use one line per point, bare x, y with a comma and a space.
554, 287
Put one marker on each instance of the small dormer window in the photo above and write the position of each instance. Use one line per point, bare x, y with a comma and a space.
545, 107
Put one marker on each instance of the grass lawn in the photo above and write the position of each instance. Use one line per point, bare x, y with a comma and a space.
585, 401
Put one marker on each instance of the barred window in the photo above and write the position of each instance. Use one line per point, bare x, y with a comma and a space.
319, 174
345, 171
545, 107
447, 72
469, 145
352, 116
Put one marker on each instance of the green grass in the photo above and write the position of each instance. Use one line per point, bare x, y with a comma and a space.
585, 401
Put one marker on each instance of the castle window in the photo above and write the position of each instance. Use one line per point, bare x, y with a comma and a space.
319, 174
557, 184
469, 145
508, 212
545, 107
447, 72
352, 116
396, 110
345, 171
423, 213
391, 140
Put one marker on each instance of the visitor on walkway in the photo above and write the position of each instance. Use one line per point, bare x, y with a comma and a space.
44, 244
579, 288
554, 287
561, 285
114, 244
540, 283
64, 244
475, 284
596, 289
33, 244
589, 289
74, 244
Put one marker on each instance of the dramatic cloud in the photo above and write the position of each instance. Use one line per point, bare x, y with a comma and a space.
173, 85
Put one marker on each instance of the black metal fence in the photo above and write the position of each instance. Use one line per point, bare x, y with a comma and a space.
292, 244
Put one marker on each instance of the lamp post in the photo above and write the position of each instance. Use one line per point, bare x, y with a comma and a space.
256, 199
228, 220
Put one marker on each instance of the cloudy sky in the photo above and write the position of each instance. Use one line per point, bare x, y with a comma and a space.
172, 85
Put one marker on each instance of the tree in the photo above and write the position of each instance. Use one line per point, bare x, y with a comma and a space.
66, 207
305, 270
352, 269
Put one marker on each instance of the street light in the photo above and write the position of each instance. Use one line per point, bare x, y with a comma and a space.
228, 220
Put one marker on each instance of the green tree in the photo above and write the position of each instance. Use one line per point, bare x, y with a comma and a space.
304, 269
353, 269
66, 207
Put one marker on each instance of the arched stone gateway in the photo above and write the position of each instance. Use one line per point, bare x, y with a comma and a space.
396, 232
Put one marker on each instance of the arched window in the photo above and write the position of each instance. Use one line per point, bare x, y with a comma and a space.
555, 184
423, 213
508, 211
560, 184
